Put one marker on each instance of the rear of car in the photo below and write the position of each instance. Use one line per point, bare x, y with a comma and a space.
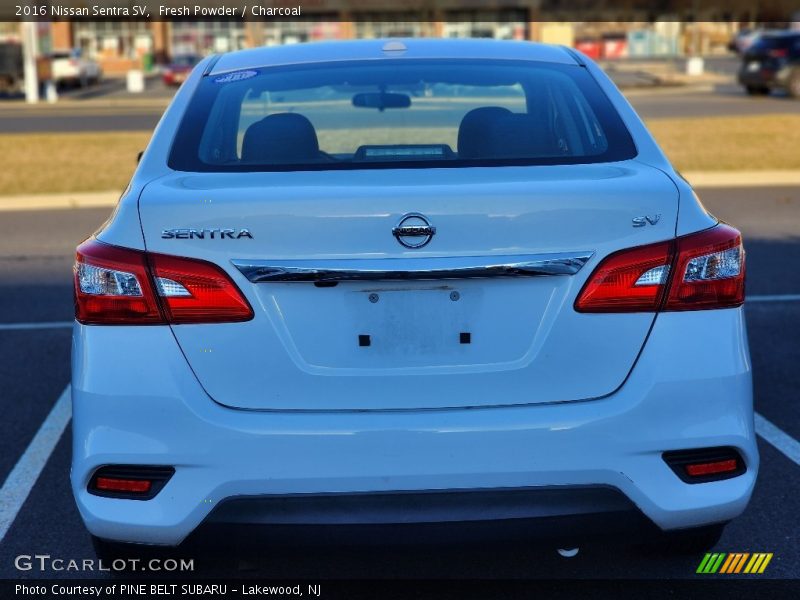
12, 76
176, 72
743, 39
772, 62
408, 283
71, 67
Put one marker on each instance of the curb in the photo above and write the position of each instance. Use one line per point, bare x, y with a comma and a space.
738, 179
654, 90
59, 201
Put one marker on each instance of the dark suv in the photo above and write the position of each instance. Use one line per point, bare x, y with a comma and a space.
772, 62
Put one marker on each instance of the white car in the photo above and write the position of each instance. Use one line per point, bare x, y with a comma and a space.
409, 282
73, 68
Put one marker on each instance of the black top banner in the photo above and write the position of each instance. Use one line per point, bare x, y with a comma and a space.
745, 11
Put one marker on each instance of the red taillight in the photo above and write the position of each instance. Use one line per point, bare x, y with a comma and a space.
109, 484
778, 53
194, 291
709, 270
628, 281
115, 286
698, 271
712, 468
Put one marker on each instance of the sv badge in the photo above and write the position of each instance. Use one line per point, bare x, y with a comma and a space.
645, 219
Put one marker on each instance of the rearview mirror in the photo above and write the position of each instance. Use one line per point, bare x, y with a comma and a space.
381, 100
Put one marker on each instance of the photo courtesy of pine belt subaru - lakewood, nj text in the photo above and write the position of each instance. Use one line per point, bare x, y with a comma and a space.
409, 282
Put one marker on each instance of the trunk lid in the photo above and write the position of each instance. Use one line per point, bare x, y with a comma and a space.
304, 351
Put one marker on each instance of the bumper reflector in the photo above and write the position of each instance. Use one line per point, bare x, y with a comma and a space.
705, 464
132, 482
722, 466
110, 484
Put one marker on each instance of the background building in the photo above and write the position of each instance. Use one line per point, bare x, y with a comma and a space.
615, 30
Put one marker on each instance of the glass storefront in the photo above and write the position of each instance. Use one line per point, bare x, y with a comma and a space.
295, 32
206, 37
113, 39
382, 25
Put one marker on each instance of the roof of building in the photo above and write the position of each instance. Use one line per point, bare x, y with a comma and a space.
387, 49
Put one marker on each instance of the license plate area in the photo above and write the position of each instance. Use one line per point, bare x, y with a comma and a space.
403, 322
457, 324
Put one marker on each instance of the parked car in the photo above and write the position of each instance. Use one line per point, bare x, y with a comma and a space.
743, 39
176, 72
12, 76
74, 69
325, 302
773, 62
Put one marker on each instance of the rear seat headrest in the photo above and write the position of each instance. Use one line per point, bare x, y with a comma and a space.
281, 138
473, 130
495, 132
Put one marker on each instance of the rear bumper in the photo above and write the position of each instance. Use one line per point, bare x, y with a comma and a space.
136, 401
431, 506
770, 78
569, 515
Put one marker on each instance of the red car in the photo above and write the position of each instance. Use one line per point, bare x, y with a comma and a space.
178, 70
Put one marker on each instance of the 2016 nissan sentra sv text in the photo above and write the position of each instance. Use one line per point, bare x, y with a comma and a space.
471, 289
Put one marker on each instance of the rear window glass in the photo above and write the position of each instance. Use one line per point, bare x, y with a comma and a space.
399, 113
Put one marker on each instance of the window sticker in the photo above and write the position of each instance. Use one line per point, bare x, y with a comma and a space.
235, 76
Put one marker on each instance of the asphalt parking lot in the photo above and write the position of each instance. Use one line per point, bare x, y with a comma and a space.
36, 307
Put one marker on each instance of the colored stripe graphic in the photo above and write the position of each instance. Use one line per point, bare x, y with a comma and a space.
758, 563
726, 566
766, 562
741, 562
734, 563
702, 567
721, 562
711, 562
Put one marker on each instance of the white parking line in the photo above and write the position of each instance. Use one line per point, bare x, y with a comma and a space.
42, 325
23, 476
774, 298
782, 441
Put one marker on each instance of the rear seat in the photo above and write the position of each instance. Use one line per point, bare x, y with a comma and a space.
281, 138
495, 132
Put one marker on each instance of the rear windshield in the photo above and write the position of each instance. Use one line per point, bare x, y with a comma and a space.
399, 113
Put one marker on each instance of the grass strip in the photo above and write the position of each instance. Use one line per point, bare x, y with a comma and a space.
39, 163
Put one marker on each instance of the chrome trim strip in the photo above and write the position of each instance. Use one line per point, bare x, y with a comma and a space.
403, 269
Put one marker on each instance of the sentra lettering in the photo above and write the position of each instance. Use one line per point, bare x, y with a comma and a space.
203, 234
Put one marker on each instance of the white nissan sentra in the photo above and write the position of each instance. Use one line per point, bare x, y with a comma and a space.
417, 282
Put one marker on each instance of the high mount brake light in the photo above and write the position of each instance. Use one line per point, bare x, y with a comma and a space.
699, 271
120, 286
